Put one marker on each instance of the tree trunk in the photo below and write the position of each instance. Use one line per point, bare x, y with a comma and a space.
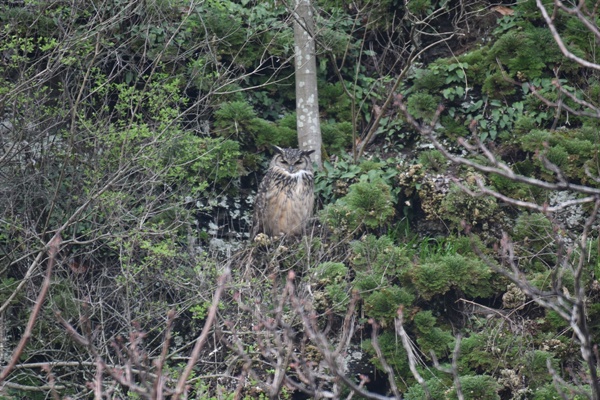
307, 99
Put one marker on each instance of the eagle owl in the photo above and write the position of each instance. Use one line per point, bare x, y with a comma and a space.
285, 199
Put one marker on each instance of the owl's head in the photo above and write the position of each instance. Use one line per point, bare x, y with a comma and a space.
292, 161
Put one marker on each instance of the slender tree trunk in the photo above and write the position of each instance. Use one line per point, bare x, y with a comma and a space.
307, 99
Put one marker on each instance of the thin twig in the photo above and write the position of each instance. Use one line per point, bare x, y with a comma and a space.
53, 247
212, 313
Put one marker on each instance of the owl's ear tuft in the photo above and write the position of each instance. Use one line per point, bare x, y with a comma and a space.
277, 149
308, 152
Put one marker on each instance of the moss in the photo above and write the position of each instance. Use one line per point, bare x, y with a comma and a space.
549, 392
433, 160
458, 206
382, 304
396, 357
371, 202
509, 187
453, 126
428, 80
537, 367
430, 337
437, 276
474, 387
423, 105
496, 86
478, 65
374, 255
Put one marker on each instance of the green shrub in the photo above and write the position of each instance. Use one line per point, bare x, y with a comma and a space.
430, 337
331, 277
522, 54
537, 367
280, 133
372, 201
509, 187
382, 304
558, 156
433, 160
367, 203
549, 392
438, 275
419, 7
372, 254
422, 105
476, 353
394, 354
458, 206
340, 218
534, 228
334, 102
475, 387
336, 136
427, 80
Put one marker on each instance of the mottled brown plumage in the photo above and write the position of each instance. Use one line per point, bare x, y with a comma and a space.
285, 199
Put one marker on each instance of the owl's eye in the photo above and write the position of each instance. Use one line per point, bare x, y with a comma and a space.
284, 162
298, 162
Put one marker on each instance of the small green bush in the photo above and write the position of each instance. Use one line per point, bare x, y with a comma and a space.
433, 160
422, 105
458, 206
383, 304
379, 255
395, 355
474, 387
336, 136
428, 80
430, 337
419, 7
535, 228
368, 203
477, 387
537, 368
372, 201
549, 392
438, 275
331, 278
340, 218
476, 353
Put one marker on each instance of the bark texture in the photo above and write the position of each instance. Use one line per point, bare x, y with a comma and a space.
307, 99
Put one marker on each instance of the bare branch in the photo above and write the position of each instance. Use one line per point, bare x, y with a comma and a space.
561, 45
53, 248
212, 312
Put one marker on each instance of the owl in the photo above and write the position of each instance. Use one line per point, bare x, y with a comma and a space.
285, 199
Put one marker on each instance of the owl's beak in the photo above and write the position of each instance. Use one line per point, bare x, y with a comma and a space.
291, 168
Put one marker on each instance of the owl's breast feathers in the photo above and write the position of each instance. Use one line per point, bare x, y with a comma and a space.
289, 203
